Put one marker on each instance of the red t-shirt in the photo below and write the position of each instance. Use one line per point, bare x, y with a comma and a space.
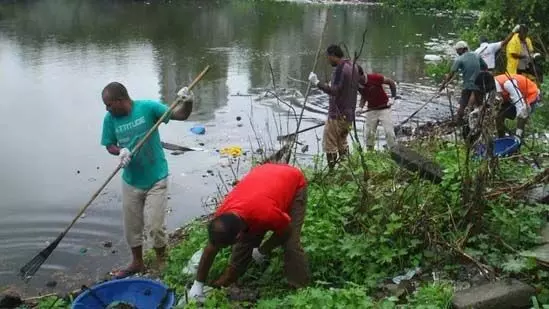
374, 93
264, 196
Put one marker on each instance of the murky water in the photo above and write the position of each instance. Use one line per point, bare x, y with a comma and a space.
57, 55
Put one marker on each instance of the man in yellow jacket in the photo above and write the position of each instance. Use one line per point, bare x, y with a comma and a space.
519, 96
519, 51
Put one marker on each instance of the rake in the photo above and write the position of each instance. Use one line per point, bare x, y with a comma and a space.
27, 271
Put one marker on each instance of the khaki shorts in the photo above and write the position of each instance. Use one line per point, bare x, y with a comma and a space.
296, 265
138, 204
335, 135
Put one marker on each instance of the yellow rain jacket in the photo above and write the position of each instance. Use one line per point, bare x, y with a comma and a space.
514, 47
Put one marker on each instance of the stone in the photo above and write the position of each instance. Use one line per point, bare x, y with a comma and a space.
10, 299
542, 253
503, 294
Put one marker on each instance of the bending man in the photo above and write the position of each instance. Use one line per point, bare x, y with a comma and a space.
519, 95
272, 197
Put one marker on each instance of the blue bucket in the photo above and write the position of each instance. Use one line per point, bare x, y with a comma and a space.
141, 293
502, 147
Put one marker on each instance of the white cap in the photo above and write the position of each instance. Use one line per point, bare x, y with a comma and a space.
461, 44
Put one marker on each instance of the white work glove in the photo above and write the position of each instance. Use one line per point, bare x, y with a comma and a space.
185, 93
516, 29
522, 110
474, 118
124, 156
197, 291
257, 256
313, 79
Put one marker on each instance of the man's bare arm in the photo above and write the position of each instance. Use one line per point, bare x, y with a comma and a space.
206, 261
183, 110
392, 86
113, 149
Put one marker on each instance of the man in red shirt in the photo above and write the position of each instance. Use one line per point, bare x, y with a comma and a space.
379, 108
272, 197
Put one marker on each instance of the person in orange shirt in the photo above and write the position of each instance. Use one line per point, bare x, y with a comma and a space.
271, 197
518, 96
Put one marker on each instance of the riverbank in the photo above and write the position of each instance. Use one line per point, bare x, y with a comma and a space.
379, 236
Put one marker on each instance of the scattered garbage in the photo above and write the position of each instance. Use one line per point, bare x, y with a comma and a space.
198, 129
407, 276
234, 151
192, 266
432, 58
51, 284
83, 250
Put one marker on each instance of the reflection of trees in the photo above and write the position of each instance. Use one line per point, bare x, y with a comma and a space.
182, 34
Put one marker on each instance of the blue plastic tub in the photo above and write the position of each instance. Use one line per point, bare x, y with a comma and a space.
141, 293
503, 146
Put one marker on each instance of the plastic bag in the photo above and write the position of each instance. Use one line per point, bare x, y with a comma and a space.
192, 266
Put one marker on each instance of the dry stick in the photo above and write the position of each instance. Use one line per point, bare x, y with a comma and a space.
32, 267
309, 85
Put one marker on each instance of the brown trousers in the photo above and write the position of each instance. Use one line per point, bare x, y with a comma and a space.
296, 265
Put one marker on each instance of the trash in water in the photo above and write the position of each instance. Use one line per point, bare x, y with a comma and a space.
107, 244
238, 118
234, 151
407, 276
192, 265
198, 129
83, 250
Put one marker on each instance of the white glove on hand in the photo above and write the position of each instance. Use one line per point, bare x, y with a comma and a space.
313, 79
392, 101
197, 291
183, 92
522, 110
257, 256
516, 29
124, 156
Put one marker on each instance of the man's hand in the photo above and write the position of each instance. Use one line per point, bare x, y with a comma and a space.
185, 93
516, 29
393, 101
313, 79
197, 291
258, 257
124, 156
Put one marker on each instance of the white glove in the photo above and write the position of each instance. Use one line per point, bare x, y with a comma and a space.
313, 79
392, 101
516, 29
183, 92
197, 291
257, 256
522, 110
124, 156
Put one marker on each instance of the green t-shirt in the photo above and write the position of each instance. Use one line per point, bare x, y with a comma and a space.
470, 65
149, 164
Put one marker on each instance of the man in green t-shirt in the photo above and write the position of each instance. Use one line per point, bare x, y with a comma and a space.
145, 185
470, 65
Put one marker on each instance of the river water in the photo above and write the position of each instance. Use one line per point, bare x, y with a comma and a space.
57, 55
